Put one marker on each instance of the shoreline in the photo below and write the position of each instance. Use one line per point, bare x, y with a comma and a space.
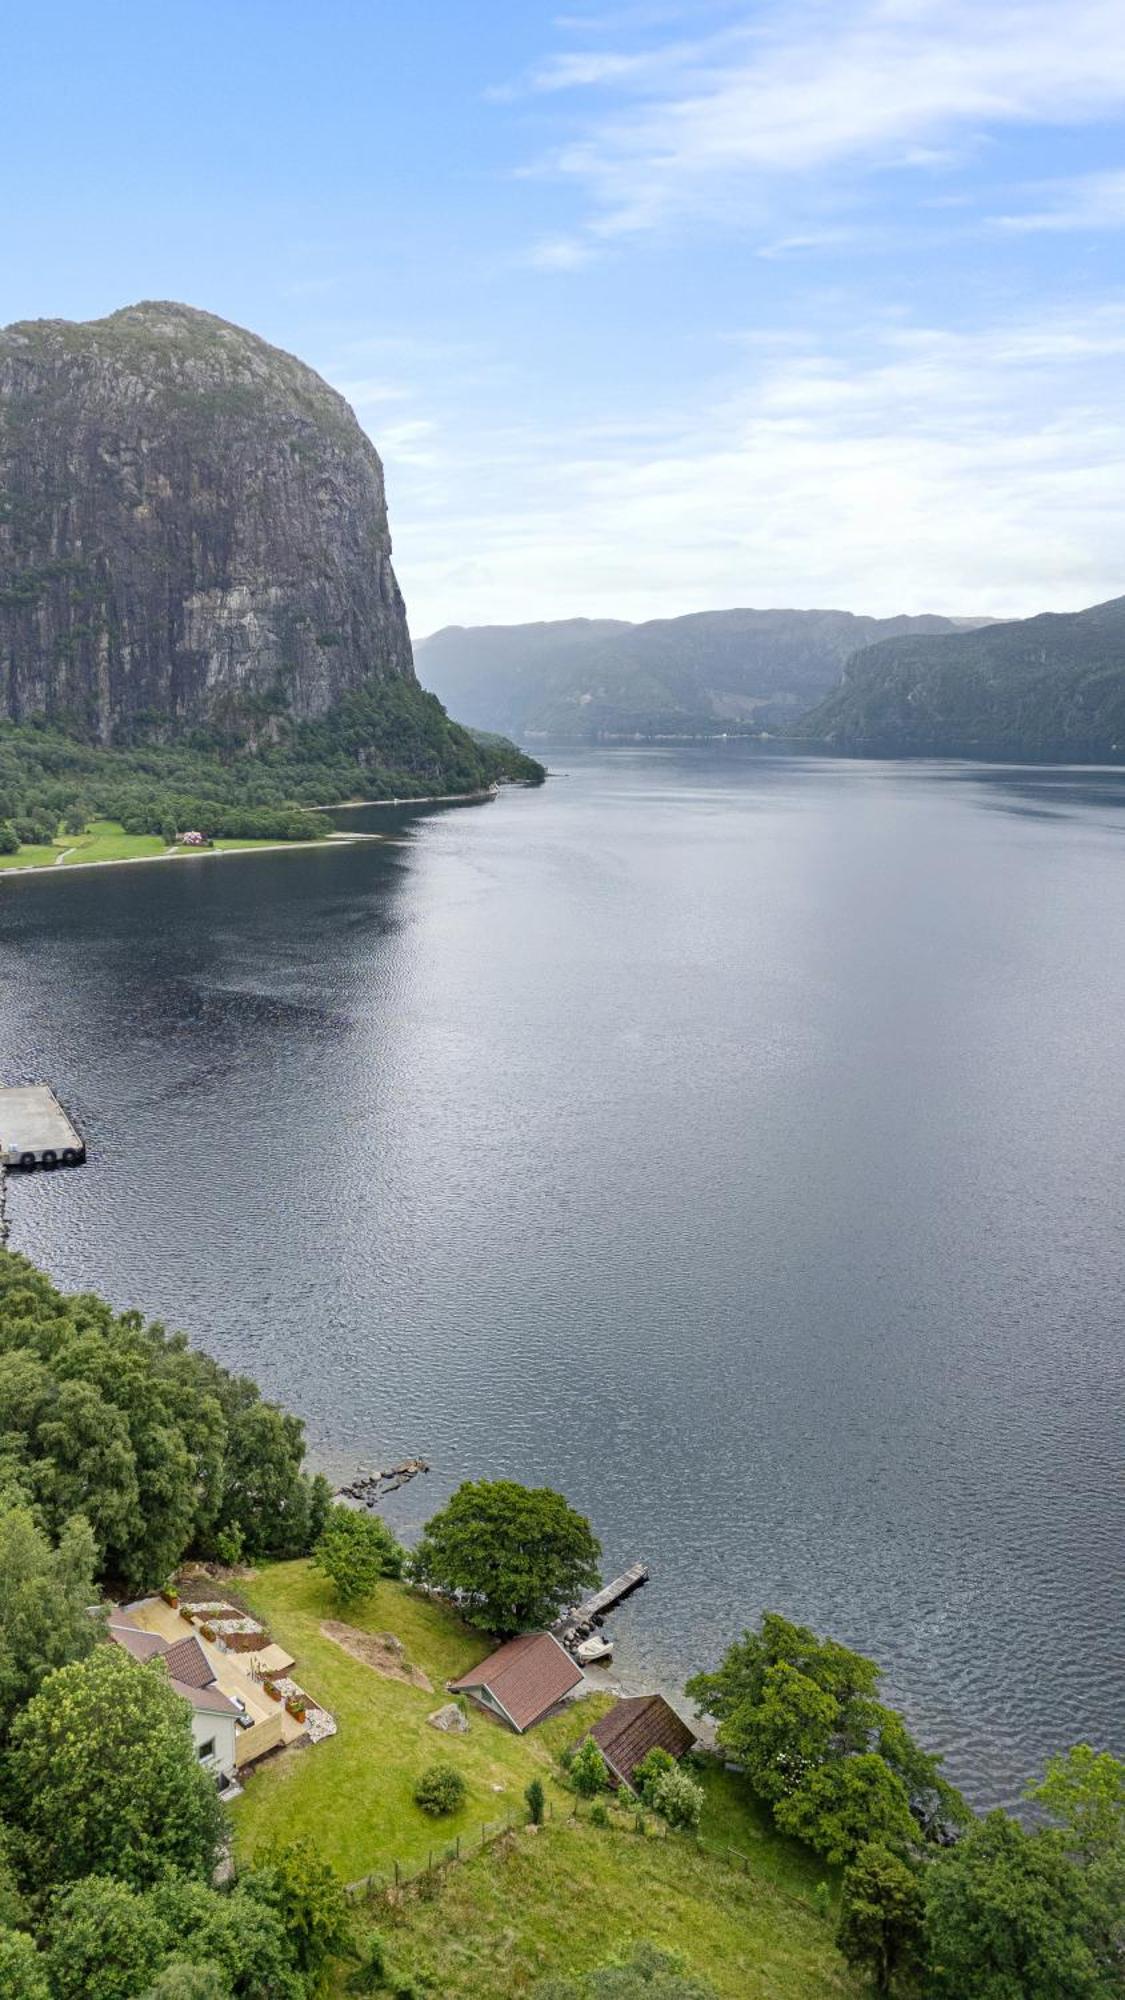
431, 799
195, 854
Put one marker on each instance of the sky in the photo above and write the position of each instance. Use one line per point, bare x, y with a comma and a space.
650, 309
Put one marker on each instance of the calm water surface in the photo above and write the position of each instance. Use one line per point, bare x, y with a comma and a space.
735, 1141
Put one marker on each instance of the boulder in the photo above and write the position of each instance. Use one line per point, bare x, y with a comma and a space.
451, 1719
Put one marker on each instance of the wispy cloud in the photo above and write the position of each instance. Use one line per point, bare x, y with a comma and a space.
925, 468
1087, 202
713, 125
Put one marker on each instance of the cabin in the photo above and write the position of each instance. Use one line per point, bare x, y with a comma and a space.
522, 1681
635, 1726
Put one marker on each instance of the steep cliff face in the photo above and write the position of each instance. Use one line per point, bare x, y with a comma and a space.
193, 530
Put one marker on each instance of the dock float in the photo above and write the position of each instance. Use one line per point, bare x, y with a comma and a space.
580, 1622
35, 1130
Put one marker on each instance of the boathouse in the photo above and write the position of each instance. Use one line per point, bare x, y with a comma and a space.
523, 1680
635, 1726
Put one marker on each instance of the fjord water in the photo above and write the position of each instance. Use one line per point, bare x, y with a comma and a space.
732, 1140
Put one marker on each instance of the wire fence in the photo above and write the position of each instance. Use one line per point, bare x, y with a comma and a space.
447, 1854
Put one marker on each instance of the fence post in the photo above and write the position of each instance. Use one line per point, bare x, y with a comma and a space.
458, 1846
398, 1877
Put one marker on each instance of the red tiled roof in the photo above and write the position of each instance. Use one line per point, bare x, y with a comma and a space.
186, 1661
637, 1725
211, 1699
527, 1676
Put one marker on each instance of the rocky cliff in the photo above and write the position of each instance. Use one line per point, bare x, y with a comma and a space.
193, 531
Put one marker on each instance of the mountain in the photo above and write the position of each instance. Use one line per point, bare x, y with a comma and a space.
1051, 687
705, 674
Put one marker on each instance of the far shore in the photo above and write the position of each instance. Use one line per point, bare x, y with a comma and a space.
432, 799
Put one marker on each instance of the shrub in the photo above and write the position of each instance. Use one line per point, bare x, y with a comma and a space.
678, 1799
536, 1801
588, 1770
598, 1814
354, 1551
370, 1975
440, 1789
9, 839
650, 1769
230, 1545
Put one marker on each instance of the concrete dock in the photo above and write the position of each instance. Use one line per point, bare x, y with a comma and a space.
35, 1130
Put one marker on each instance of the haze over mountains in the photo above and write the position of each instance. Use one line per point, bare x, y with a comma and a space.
710, 673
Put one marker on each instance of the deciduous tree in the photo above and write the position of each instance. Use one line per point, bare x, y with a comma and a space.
355, 1551
102, 1777
882, 1908
1010, 1917
514, 1556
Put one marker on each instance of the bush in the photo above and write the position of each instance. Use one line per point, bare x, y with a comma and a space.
354, 1552
598, 1814
678, 1799
370, 1975
649, 1771
536, 1801
230, 1545
588, 1770
440, 1789
9, 839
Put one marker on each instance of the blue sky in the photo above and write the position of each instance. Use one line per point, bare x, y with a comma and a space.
648, 309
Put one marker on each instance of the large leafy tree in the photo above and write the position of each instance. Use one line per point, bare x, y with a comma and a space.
846, 1803
838, 1767
355, 1551
882, 1907
515, 1556
106, 1941
23, 1974
1009, 1916
307, 1898
1084, 1791
102, 1778
156, 1445
45, 1598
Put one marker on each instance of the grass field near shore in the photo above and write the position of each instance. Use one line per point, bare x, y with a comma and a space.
754, 1921
105, 840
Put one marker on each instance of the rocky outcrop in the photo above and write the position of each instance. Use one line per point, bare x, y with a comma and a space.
193, 531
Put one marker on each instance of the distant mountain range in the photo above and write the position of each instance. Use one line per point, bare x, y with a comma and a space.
1051, 688
601, 679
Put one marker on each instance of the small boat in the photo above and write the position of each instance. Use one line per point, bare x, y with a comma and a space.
593, 1652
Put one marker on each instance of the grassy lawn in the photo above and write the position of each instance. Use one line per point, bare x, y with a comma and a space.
354, 1794
567, 1897
106, 840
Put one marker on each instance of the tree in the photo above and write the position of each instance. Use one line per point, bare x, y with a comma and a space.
536, 1799
181, 1981
651, 1768
1010, 1917
514, 1556
23, 1973
9, 838
882, 1907
235, 1932
309, 1899
45, 1598
354, 1551
588, 1770
801, 1714
105, 1941
102, 1777
845, 1804
440, 1789
1085, 1791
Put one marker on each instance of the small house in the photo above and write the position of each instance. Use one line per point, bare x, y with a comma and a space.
523, 1680
214, 1716
635, 1726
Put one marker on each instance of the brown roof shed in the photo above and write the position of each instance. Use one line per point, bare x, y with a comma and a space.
635, 1726
523, 1679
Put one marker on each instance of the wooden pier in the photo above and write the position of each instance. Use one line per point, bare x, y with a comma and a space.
581, 1621
35, 1130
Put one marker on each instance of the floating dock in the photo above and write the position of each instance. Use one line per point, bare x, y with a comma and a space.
580, 1622
35, 1130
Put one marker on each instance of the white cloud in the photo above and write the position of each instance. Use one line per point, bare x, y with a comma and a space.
809, 89
1088, 202
962, 472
